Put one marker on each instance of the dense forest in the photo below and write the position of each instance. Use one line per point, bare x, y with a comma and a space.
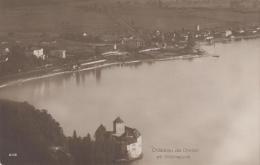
86, 151
31, 136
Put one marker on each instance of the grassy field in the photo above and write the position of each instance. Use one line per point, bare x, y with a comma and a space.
155, 18
33, 21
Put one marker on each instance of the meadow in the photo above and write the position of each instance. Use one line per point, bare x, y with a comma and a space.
169, 19
35, 21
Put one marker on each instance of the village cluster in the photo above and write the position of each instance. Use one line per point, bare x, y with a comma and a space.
89, 49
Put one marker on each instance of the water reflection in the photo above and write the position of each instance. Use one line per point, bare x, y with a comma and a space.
138, 64
41, 89
98, 75
77, 75
150, 63
188, 59
83, 78
93, 72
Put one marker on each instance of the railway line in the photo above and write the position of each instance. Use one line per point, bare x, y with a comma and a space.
121, 22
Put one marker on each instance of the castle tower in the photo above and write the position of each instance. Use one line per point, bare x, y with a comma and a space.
118, 126
99, 134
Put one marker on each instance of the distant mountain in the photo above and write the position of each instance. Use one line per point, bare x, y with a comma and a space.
30, 136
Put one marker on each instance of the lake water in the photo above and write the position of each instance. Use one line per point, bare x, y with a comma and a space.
210, 104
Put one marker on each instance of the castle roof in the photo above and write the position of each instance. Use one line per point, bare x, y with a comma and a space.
118, 120
101, 128
132, 132
129, 137
124, 139
117, 139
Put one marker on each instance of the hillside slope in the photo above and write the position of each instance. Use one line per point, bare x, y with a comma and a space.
28, 136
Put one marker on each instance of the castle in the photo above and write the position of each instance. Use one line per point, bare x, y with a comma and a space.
127, 141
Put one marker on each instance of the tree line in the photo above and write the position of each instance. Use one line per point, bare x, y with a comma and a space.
18, 61
85, 151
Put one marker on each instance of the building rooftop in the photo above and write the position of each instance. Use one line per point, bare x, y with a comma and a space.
124, 139
132, 132
101, 128
118, 120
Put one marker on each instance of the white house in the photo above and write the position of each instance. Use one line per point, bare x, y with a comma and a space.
39, 53
7, 50
209, 38
240, 31
226, 33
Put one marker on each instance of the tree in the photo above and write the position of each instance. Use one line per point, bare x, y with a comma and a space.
88, 138
74, 135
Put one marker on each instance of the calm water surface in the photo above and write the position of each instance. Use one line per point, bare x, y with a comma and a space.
210, 104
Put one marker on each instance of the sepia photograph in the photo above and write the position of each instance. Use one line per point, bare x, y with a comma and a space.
129, 82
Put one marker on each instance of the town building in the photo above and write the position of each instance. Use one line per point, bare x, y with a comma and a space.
133, 43
39, 53
209, 38
240, 31
102, 48
226, 33
3, 59
6, 50
127, 141
197, 27
4, 42
58, 53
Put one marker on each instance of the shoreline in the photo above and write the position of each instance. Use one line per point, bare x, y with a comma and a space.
22, 80
19, 78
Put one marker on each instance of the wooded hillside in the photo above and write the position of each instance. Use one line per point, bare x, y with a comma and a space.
29, 136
